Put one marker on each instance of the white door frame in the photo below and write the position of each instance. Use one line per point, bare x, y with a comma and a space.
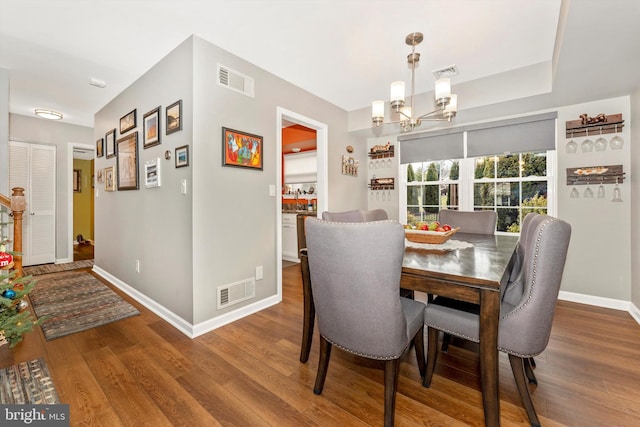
322, 144
70, 238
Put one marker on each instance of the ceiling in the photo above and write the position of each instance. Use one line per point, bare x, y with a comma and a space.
344, 51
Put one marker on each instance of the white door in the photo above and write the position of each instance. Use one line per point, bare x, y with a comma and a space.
33, 167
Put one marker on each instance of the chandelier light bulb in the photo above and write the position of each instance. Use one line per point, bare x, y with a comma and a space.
443, 88
377, 112
397, 94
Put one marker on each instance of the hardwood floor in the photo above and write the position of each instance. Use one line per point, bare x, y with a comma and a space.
141, 371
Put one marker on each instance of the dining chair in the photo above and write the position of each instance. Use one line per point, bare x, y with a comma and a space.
475, 222
527, 306
364, 216
355, 273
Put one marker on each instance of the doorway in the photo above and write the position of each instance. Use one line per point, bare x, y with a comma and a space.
287, 118
81, 211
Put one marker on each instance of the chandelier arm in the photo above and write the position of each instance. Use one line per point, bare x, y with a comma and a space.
430, 114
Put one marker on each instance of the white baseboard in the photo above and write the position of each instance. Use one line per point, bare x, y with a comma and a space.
63, 260
615, 304
178, 322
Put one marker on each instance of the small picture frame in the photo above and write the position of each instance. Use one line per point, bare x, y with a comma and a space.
182, 156
128, 122
127, 172
241, 149
152, 173
109, 181
173, 115
77, 180
100, 147
110, 142
100, 176
151, 128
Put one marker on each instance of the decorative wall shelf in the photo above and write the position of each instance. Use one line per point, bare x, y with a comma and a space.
381, 152
595, 175
382, 183
592, 126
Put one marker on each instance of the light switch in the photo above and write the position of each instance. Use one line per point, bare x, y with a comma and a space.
272, 190
183, 187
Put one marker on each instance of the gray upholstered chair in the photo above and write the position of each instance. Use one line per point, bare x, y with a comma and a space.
356, 215
355, 275
527, 306
476, 222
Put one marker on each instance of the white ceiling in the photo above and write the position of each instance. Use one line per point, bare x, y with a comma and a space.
344, 51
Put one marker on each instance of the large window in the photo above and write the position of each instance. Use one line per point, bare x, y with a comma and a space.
511, 185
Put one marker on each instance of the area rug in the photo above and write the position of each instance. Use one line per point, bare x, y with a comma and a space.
75, 301
27, 383
55, 268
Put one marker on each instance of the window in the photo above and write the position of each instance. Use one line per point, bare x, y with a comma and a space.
511, 184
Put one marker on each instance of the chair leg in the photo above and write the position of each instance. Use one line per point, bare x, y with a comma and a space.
517, 366
418, 342
309, 310
446, 339
391, 368
529, 364
323, 364
432, 355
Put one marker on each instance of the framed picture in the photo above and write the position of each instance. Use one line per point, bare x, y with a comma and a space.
100, 176
182, 156
152, 173
127, 171
241, 149
100, 147
109, 181
77, 183
174, 117
128, 121
151, 128
110, 142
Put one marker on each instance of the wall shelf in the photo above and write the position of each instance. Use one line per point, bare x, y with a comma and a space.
382, 184
595, 175
583, 127
381, 153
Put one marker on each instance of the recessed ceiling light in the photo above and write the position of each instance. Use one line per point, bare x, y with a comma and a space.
48, 114
97, 82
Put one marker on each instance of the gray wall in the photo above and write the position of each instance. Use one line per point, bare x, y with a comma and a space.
634, 122
62, 135
227, 223
4, 132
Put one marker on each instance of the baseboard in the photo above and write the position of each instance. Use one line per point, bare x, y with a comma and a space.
615, 304
176, 321
63, 260
179, 323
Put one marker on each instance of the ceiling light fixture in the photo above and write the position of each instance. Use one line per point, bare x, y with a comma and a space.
446, 103
48, 114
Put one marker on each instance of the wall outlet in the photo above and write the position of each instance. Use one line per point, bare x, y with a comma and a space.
259, 272
137, 266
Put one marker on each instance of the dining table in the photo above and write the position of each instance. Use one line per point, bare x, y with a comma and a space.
476, 273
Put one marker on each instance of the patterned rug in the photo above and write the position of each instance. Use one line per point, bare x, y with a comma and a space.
55, 268
76, 301
27, 383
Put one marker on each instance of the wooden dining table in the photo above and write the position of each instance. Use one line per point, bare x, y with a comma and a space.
473, 274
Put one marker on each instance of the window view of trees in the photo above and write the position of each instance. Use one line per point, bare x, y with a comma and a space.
511, 184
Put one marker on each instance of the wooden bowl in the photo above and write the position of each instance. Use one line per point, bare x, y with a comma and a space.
431, 237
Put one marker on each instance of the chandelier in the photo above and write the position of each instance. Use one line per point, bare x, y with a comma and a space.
445, 102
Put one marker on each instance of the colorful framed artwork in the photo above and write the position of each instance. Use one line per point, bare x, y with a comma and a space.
100, 147
182, 156
128, 122
241, 149
109, 181
127, 172
110, 143
151, 128
174, 117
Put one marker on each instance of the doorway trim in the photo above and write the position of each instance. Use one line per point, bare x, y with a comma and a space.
70, 149
322, 144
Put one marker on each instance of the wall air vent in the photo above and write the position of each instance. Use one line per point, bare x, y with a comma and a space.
236, 292
235, 81
449, 71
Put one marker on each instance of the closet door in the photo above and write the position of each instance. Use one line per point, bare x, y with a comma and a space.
33, 167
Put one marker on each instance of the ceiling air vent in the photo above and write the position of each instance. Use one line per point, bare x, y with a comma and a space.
236, 292
235, 81
449, 71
